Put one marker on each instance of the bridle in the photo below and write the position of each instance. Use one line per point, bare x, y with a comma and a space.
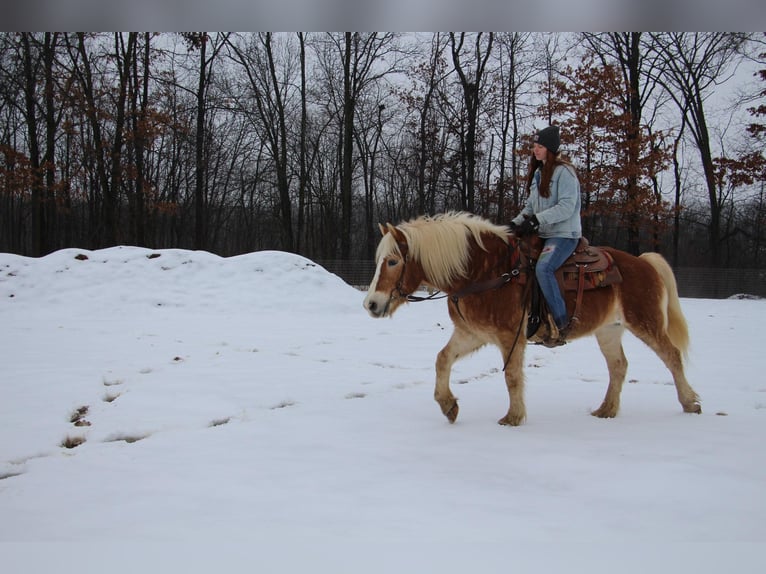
471, 289
397, 292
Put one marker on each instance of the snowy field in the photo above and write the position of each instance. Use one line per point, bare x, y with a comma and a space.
248, 411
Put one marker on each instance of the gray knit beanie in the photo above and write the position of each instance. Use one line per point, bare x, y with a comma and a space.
549, 137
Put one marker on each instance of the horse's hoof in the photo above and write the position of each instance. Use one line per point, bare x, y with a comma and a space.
607, 410
452, 412
511, 421
604, 413
695, 408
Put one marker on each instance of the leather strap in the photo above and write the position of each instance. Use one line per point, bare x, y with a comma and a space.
580, 289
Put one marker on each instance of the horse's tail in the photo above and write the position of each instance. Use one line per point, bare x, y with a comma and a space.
675, 322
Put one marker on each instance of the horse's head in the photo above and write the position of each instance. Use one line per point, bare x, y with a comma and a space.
397, 274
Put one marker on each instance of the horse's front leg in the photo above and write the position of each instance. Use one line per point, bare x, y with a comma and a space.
461, 343
514, 381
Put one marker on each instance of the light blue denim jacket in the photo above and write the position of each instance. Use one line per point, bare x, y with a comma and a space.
558, 214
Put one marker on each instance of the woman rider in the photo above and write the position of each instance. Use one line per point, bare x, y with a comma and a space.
553, 211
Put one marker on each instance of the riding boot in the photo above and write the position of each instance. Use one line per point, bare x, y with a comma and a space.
560, 339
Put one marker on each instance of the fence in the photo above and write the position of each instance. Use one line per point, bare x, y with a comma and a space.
710, 283
697, 282
356, 273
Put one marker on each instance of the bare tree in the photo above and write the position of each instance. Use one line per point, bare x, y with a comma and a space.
269, 82
433, 73
365, 59
471, 75
30, 63
108, 155
139, 101
516, 71
692, 65
302, 147
552, 54
107, 138
199, 41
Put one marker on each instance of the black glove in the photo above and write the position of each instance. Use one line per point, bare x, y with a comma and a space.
528, 226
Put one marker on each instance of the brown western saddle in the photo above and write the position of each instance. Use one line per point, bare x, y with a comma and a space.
587, 268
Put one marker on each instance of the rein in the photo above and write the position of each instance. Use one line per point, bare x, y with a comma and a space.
432, 297
525, 298
472, 289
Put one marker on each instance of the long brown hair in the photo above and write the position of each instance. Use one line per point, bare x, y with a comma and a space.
546, 171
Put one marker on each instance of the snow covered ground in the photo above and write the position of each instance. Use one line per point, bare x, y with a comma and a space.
249, 411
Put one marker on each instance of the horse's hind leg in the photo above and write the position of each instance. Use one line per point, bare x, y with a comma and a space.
461, 343
609, 340
673, 360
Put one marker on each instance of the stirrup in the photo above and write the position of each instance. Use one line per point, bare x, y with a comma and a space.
550, 342
560, 339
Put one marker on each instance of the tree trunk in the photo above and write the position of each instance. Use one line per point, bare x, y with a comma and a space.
302, 177
632, 67
347, 151
200, 241
471, 90
49, 159
139, 126
111, 199
280, 154
37, 187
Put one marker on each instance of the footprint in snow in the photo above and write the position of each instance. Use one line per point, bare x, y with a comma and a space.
283, 405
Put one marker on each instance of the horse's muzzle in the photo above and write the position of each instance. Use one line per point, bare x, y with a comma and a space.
376, 306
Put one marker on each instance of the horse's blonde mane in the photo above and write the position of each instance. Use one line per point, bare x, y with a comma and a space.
441, 243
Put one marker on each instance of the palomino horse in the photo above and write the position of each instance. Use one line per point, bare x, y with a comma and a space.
475, 263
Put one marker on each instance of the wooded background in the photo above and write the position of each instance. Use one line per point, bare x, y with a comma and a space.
303, 142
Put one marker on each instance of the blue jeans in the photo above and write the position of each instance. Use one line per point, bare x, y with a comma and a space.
555, 251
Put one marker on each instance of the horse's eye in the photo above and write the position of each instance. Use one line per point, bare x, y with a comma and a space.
392, 262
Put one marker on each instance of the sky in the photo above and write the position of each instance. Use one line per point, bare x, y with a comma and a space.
396, 15
246, 414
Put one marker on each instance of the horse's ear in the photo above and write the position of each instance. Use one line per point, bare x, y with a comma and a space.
383, 230
398, 235
400, 238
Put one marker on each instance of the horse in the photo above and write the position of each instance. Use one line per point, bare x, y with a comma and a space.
476, 265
